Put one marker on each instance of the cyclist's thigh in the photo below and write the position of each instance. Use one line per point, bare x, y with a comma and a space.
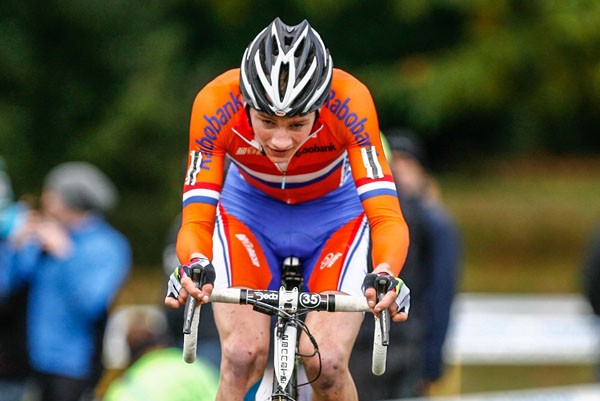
341, 263
242, 329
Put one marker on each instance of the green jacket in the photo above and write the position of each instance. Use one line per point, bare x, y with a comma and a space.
162, 375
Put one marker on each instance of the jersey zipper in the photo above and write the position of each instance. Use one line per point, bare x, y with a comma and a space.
312, 135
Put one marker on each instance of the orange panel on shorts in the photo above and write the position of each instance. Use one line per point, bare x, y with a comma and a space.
326, 274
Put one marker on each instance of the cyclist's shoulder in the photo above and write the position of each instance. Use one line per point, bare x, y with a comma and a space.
349, 105
223, 85
228, 77
344, 81
221, 95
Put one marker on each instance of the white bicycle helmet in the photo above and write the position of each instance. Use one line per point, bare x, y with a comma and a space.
286, 70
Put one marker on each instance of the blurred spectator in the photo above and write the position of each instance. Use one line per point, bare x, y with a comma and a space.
432, 267
591, 278
63, 245
157, 371
14, 366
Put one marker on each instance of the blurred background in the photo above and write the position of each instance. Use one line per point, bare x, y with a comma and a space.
504, 94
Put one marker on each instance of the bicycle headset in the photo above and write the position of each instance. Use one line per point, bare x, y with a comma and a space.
286, 70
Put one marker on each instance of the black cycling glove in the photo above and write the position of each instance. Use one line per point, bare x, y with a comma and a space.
391, 284
205, 266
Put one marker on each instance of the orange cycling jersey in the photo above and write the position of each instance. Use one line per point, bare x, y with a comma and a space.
345, 137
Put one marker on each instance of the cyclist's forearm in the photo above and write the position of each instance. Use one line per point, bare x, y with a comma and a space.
193, 240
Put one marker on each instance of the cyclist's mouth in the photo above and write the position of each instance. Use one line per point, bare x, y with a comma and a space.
278, 154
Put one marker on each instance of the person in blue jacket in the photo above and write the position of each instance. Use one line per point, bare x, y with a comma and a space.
415, 354
67, 241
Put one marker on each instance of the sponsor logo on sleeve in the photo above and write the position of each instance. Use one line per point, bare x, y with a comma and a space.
342, 110
214, 124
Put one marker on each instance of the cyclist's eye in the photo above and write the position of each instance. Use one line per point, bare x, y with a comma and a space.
268, 123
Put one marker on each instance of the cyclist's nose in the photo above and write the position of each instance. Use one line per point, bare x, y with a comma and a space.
281, 139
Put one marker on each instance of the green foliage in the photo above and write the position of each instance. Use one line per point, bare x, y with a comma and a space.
113, 82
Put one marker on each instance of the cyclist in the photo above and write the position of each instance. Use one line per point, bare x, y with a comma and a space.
308, 177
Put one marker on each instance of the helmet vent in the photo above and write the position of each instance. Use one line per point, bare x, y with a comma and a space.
283, 77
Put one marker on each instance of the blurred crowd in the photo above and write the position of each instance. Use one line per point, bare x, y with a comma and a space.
62, 265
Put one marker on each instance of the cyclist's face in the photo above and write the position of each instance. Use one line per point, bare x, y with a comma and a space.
280, 137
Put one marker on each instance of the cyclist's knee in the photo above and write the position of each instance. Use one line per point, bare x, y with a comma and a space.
332, 368
332, 379
244, 359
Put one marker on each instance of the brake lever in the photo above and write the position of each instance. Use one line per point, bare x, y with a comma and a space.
190, 304
381, 286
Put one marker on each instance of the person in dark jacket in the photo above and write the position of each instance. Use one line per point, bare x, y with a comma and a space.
415, 357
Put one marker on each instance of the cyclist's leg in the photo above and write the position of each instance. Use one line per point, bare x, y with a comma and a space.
335, 334
239, 261
340, 266
244, 338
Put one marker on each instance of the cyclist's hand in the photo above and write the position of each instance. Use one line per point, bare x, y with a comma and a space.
180, 284
397, 298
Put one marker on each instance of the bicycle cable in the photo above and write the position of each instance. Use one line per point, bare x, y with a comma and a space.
294, 318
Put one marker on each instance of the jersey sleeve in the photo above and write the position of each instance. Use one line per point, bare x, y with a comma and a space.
371, 173
212, 114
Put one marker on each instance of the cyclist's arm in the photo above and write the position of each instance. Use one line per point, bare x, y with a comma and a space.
375, 185
374, 181
204, 174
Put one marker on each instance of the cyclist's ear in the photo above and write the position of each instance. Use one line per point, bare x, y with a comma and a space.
248, 115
